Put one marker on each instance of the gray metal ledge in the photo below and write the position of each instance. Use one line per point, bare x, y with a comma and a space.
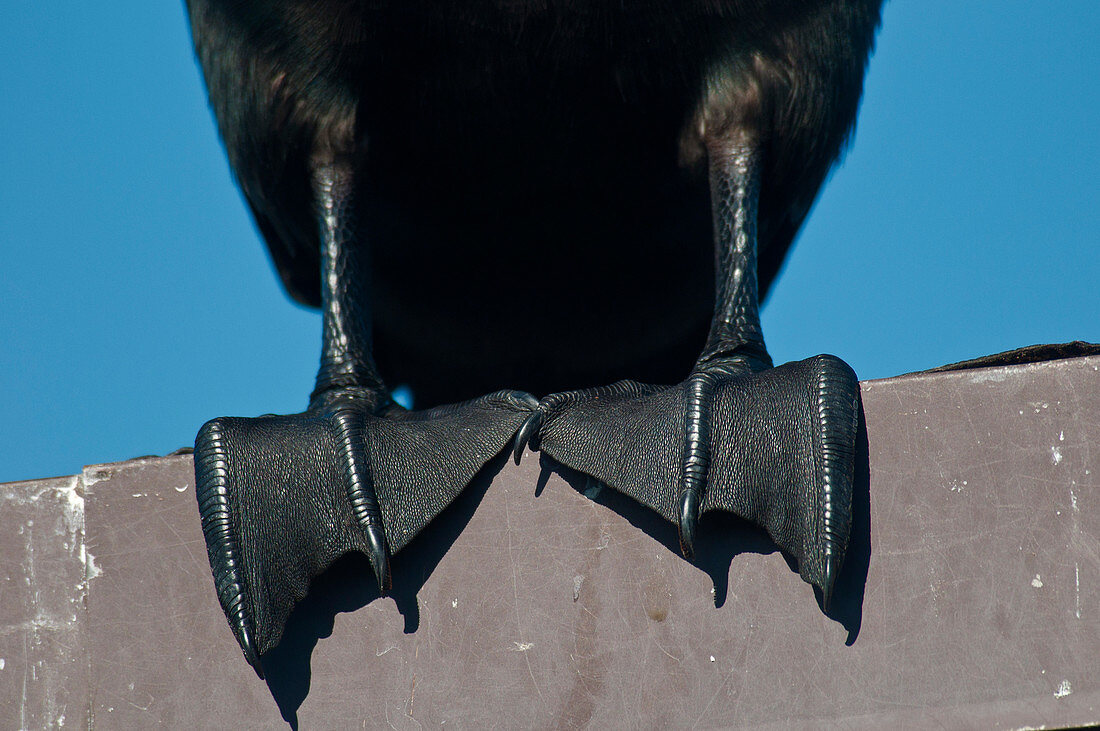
971, 597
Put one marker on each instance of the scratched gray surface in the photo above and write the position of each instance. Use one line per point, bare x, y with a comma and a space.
979, 605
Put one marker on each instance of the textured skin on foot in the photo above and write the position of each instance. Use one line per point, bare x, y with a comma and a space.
278, 506
781, 445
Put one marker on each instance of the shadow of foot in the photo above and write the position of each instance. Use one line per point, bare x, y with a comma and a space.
349, 585
723, 536
847, 605
720, 537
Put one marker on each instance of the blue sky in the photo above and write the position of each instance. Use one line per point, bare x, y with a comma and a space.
137, 301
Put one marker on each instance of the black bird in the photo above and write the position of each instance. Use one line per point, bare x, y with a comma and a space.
526, 193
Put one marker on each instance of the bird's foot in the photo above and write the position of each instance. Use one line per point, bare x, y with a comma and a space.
282, 497
774, 446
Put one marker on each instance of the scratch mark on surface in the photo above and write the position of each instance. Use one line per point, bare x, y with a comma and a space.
515, 596
577, 582
1076, 581
1055, 455
23, 703
1064, 689
412, 697
522, 647
721, 687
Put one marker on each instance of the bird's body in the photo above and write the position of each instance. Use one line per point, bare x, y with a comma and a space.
535, 172
534, 194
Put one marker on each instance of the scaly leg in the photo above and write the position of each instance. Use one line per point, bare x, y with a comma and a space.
282, 497
773, 445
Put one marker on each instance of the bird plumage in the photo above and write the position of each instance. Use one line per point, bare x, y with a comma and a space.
504, 143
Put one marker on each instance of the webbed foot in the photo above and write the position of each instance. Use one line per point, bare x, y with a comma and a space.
774, 446
282, 497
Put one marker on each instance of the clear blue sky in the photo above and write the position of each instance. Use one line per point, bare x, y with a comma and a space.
136, 300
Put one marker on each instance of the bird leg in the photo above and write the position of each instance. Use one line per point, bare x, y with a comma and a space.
772, 445
282, 497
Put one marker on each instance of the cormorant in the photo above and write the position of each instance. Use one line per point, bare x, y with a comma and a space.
527, 193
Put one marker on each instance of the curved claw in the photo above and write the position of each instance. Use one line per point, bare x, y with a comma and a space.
361, 494
689, 518
379, 556
248, 647
525, 434
828, 580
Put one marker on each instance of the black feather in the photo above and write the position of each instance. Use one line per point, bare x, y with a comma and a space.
530, 162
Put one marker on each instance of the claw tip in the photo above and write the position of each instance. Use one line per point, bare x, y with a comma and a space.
244, 637
379, 556
529, 428
689, 517
828, 582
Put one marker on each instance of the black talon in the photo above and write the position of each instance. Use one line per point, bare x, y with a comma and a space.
379, 557
361, 493
701, 388
828, 580
689, 518
244, 637
527, 434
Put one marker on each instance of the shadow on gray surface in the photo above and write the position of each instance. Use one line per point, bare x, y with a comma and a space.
349, 585
723, 536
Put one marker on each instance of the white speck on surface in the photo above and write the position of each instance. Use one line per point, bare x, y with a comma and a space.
182, 489
981, 376
1, 663
92, 475
1062, 436
577, 582
454, 604
1064, 688
1037, 582
712, 658
91, 571
521, 646
1055, 455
